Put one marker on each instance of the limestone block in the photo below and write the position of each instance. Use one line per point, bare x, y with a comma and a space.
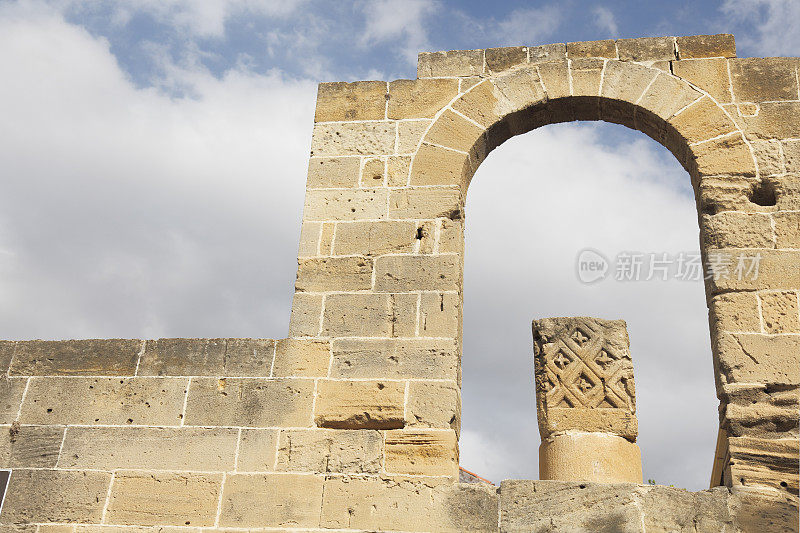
765, 462
753, 358
737, 229
453, 131
11, 391
434, 405
30, 446
547, 53
452, 63
117, 401
776, 269
395, 359
301, 358
779, 310
735, 311
480, 104
163, 498
360, 100
759, 80
409, 134
257, 450
624, 82
698, 46
555, 78
93, 357
584, 376
71, 496
646, 49
271, 500
787, 229
764, 510
425, 202
332, 172
586, 73
791, 153
306, 315
357, 315
323, 450
599, 457
345, 205
310, 235
397, 168
667, 95
422, 452
353, 138
439, 314
249, 402
421, 98
334, 274
434, 165
604, 48
768, 157
397, 504
374, 238
519, 88
727, 155
360, 404
6, 353
207, 357
373, 171
701, 121
451, 236
399, 273
756, 410
775, 120
499, 59
404, 314
207, 449
711, 75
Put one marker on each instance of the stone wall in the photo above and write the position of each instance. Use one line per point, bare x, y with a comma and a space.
352, 423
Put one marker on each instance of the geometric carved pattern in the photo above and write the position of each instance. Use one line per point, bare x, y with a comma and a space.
583, 364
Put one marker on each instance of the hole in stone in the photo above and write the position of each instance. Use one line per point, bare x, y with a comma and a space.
582, 486
763, 194
420, 233
709, 208
784, 484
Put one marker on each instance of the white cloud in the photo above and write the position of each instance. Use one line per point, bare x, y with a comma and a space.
398, 20
606, 22
769, 27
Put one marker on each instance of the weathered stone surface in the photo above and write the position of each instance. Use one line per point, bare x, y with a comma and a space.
323, 450
765, 462
409, 134
257, 450
646, 49
421, 98
334, 274
310, 235
439, 314
726, 155
701, 121
780, 312
711, 75
434, 404
360, 100
584, 376
624, 82
453, 63
374, 238
355, 204
737, 230
759, 80
765, 511
353, 138
306, 317
248, 402
586, 74
598, 457
207, 357
360, 404
604, 48
373, 171
555, 78
422, 452
735, 311
764, 411
425, 202
70, 496
667, 95
698, 46
11, 391
332, 172
398, 273
136, 401
395, 359
435, 165
94, 357
499, 59
301, 358
6, 353
547, 53
753, 358
271, 500
775, 120
454, 131
787, 230
776, 269
211, 449
164, 498
357, 315
397, 169
30, 446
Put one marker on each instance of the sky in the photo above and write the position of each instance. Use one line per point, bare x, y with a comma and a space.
152, 170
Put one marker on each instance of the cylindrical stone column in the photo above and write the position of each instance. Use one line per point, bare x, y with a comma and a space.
586, 401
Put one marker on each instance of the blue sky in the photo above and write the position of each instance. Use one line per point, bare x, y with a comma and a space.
154, 156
